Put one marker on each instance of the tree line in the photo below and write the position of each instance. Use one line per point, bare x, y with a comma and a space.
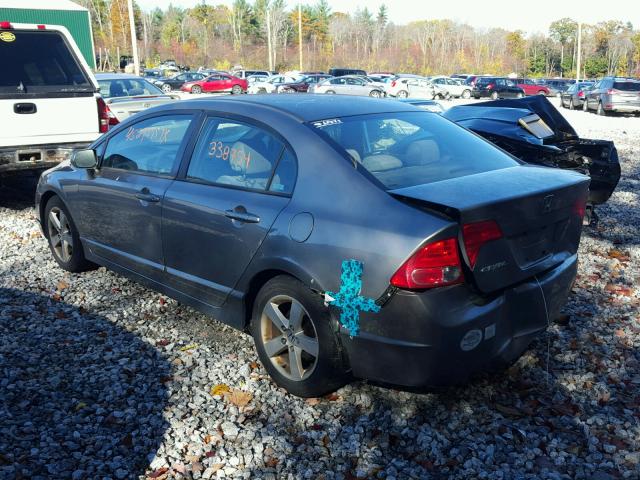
264, 34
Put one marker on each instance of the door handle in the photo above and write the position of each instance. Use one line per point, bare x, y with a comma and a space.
146, 196
241, 216
24, 108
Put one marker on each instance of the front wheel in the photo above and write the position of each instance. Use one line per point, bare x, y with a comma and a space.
236, 90
292, 331
402, 94
197, 89
330, 92
601, 111
375, 94
571, 105
166, 88
585, 105
494, 95
63, 237
519, 95
466, 94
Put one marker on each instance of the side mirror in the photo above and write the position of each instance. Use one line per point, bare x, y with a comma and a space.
84, 159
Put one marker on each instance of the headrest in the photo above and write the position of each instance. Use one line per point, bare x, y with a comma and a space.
379, 163
247, 160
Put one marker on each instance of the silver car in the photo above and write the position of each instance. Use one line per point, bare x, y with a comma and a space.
349, 85
614, 94
126, 95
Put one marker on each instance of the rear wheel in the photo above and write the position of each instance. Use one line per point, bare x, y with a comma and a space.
541, 92
402, 94
519, 95
196, 89
571, 105
292, 331
466, 94
166, 88
64, 241
494, 95
330, 92
585, 106
236, 90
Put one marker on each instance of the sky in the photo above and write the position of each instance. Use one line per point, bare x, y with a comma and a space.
531, 16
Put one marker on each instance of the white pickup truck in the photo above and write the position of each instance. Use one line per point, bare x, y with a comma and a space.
49, 101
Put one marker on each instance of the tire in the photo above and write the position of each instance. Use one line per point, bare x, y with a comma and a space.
494, 96
601, 111
166, 88
330, 92
571, 105
197, 89
315, 376
375, 93
466, 94
519, 95
402, 94
585, 105
236, 90
541, 92
62, 236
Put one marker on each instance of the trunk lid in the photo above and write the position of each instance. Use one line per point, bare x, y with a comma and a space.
124, 107
539, 211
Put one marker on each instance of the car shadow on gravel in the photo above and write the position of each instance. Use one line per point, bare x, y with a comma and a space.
17, 191
79, 396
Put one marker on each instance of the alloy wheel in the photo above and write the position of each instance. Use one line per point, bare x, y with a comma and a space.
166, 88
403, 94
196, 89
60, 236
289, 337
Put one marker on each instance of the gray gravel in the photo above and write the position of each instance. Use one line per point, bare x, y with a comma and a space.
102, 378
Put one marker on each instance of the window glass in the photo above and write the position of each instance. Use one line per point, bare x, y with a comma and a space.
285, 176
150, 146
40, 62
405, 149
234, 153
627, 85
127, 87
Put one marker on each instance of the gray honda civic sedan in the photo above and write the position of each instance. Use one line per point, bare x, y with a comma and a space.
351, 237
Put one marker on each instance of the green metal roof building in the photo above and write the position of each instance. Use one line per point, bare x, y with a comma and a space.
54, 12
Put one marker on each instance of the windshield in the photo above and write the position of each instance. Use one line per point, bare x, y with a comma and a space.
629, 86
40, 62
412, 148
127, 87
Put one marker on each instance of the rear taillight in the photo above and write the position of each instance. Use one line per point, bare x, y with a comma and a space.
612, 91
581, 93
106, 118
393, 84
475, 235
42, 27
490, 86
436, 264
580, 208
5, 25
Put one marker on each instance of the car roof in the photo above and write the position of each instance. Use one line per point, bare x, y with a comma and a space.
116, 76
305, 108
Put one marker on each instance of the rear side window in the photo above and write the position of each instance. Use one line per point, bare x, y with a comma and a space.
241, 155
40, 62
405, 149
127, 87
150, 146
627, 86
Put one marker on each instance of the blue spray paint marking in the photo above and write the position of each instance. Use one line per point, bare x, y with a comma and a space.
349, 298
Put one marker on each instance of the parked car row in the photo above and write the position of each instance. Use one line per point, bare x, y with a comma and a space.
606, 96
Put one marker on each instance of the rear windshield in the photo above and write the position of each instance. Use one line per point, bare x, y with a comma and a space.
40, 63
412, 148
127, 87
627, 86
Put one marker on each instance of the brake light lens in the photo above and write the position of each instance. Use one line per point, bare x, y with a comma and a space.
106, 117
476, 234
613, 91
436, 264
580, 208
490, 86
393, 84
5, 25
581, 93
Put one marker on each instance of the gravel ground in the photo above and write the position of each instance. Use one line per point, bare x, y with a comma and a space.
101, 378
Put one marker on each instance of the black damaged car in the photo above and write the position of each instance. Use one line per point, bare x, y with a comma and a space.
533, 130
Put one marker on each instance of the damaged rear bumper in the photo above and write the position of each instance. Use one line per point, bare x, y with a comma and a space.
440, 338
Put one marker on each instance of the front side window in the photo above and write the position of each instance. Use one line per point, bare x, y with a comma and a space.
149, 146
241, 155
405, 149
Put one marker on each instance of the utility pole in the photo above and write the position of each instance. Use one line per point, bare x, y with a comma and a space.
134, 40
300, 33
269, 39
579, 51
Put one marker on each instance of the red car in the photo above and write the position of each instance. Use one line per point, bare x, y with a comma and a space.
217, 82
532, 88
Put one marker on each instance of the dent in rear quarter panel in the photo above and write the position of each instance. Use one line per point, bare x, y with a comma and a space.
352, 219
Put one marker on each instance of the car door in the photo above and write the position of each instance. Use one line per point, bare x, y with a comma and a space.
355, 86
219, 210
591, 95
419, 89
120, 203
178, 80
339, 85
